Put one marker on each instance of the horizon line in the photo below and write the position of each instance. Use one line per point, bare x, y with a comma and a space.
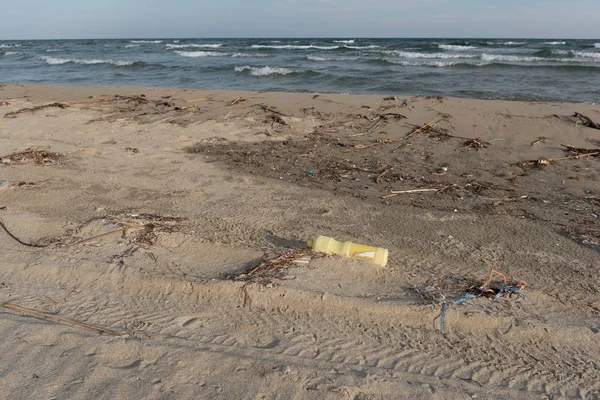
310, 37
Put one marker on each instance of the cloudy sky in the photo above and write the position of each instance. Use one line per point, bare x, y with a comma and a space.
64, 19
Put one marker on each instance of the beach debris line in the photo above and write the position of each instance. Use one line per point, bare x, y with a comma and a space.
38, 156
14, 114
476, 144
58, 319
576, 153
585, 121
268, 108
457, 291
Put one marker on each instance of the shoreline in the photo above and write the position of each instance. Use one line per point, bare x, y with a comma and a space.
156, 207
72, 93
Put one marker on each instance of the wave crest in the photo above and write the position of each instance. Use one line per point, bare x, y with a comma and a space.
185, 46
264, 71
195, 54
294, 46
60, 61
406, 54
350, 41
456, 47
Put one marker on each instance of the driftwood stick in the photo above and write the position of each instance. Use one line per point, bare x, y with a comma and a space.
16, 238
267, 108
60, 320
539, 140
384, 173
199, 99
543, 162
586, 121
579, 150
399, 192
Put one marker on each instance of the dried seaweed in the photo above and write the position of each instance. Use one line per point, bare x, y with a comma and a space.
273, 265
38, 156
14, 114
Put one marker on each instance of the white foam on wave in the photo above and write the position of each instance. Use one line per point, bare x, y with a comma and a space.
597, 45
518, 59
176, 41
373, 46
320, 58
147, 41
406, 54
507, 43
502, 57
455, 47
201, 46
587, 54
264, 71
129, 46
350, 41
439, 64
293, 46
555, 43
60, 61
195, 54
11, 53
249, 55
8, 46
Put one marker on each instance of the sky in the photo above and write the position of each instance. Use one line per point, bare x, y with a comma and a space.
83, 19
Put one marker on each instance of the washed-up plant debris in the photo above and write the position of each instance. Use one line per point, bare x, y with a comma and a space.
457, 291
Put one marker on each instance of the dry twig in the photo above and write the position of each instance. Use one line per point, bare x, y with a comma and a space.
539, 140
61, 320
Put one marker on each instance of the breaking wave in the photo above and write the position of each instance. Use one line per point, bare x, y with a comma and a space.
11, 53
456, 47
264, 71
8, 46
321, 58
587, 54
60, 61
597, 45
195, 54
146, 41
351, 41
406, 54
185, 46
556, 43
373, 46
293, 46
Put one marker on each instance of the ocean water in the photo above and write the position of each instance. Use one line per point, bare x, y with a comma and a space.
516, 69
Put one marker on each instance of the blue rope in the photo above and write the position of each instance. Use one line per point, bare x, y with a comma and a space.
470, 296
443, 316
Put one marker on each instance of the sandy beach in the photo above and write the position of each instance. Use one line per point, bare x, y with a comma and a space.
153, 210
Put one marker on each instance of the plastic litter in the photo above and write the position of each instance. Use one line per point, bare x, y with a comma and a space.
330, 246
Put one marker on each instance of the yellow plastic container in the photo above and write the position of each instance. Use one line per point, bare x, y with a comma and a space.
330, 246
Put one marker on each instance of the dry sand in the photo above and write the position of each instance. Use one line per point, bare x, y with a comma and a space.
180, 198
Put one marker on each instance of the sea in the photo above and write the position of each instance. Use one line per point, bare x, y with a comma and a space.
562, 70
